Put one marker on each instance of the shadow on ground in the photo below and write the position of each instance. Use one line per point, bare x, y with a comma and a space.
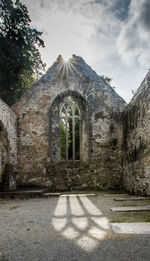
66, 229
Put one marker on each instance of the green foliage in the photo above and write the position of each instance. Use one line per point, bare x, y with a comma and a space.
106, 78
20, 59
77, 139
63, 140
70, 141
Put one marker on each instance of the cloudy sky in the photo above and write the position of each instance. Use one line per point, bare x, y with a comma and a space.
112, 36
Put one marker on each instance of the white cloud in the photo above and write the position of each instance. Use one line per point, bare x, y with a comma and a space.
133, 42
112, 36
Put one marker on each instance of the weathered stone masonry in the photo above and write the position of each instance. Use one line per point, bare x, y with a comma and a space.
8, 137
136, 141
114, 137
39, 132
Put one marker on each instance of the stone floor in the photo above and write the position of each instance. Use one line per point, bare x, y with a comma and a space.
73, 228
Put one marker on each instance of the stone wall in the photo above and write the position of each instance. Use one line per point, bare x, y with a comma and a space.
136, 141
9, 121
4, 149
38, 130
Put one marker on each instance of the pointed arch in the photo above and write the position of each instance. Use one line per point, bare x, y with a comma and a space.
70, 122
63, 106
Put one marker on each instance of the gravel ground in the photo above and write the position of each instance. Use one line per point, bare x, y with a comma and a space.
67, 229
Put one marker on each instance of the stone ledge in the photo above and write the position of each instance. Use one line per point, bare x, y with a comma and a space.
129, 209
131, 228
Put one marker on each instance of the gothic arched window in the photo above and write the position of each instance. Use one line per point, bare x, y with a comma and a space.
70, 130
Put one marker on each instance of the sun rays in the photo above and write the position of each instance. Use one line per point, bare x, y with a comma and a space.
68, 67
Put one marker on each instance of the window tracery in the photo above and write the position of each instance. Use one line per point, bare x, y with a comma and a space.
70, 121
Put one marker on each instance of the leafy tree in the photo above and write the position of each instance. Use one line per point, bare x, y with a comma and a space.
20, 59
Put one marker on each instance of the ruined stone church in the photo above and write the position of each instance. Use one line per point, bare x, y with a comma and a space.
72, 131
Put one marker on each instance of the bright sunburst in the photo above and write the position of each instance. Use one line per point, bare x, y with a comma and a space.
67, 66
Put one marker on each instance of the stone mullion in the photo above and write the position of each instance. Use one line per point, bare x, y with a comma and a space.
78, 117
66, 138
73, 137
73, 117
